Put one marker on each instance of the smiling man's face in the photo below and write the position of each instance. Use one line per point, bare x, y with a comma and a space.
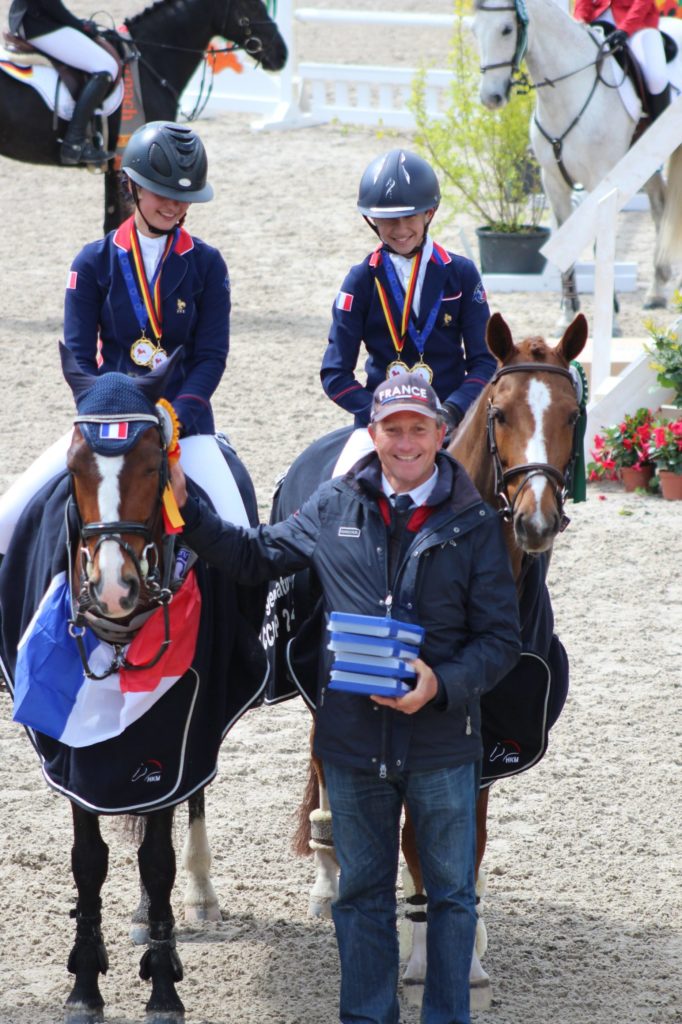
406, 444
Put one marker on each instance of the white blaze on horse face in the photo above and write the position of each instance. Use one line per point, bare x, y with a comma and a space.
110, 561
539, 400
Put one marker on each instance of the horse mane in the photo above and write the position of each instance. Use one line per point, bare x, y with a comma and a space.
152, 9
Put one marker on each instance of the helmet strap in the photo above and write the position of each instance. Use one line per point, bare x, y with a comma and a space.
387, 247
154, 230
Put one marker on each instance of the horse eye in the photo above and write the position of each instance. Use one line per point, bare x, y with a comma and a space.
507, 30
500, 416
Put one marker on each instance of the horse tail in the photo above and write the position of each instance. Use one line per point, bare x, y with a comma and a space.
310, 802
669, 248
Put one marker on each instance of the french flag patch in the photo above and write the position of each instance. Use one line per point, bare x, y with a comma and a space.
72, 279
113, 431
344, 301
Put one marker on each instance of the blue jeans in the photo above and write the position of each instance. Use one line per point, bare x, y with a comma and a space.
366, 825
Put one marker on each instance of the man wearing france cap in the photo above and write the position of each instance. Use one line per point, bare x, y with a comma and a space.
441, 564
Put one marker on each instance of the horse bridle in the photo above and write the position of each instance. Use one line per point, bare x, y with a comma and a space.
523, 83
158, 587
253, 45
562, 481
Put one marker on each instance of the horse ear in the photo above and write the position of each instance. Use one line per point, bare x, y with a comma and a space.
573, 341
154, 384
78, 380
498, 337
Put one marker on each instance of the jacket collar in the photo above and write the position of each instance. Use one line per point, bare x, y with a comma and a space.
184, 243
454, 487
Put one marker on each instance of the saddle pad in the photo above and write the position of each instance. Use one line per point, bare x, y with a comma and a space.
45, 80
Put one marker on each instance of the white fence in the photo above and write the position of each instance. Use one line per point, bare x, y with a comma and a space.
307, 92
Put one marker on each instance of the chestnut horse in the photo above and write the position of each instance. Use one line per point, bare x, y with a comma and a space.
518, 443
133, 618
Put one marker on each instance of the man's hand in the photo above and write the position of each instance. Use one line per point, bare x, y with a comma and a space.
178, 482
425, 689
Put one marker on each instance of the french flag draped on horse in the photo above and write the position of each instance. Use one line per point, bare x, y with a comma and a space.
127, 714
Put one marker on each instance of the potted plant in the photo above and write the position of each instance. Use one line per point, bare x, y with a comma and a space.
665, 348
485, 161
622, 452
666, 451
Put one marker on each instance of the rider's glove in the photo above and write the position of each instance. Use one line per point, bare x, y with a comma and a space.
453, 415
90, 28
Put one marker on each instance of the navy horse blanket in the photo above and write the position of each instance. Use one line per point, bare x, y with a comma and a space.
516, 716
171, 751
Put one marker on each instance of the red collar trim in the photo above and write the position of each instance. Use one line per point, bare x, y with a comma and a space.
443, 253
375, 258
184, 243
416, 520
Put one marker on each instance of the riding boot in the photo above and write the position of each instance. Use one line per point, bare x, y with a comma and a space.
76, 147
658, 102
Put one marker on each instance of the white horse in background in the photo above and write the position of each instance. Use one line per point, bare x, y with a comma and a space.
585, 115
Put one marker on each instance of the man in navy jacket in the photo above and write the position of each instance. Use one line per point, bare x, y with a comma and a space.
447, 570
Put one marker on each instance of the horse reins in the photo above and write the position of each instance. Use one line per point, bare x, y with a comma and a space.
520, 80
158, 587
529, 469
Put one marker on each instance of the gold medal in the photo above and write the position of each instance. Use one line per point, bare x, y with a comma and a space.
423, 370
142, 351
396, 367
159, 356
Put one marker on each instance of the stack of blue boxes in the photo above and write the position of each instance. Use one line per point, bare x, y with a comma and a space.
372, 654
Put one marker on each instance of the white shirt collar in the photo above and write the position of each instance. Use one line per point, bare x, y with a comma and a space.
403, 267
420, 494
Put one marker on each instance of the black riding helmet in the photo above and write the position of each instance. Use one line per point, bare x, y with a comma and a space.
170, 160
398, 184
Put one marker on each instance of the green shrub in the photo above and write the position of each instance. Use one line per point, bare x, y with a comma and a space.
483, 156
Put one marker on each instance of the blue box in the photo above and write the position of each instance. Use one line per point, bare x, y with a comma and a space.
375, 625
355, 682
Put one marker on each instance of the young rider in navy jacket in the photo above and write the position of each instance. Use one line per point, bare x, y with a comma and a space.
413, 304
143, 291
452, 577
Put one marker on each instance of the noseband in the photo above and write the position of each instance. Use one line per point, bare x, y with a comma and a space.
158, 588
561, 481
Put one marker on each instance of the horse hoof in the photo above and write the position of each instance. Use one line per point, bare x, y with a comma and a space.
197, 913
139, 933
164, 1017
480, 995
655, 302
321, 907
80, 1014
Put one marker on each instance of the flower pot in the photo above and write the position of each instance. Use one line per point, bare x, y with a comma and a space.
671, 484
635, 476
512, 252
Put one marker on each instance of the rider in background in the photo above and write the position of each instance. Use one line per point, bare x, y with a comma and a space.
137, 295
415, 305
637, 25
53, 30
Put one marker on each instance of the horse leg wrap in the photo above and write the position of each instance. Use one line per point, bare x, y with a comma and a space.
321, 830
411, 911
161, 951
89, 946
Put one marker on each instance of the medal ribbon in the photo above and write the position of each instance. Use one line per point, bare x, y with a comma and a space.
408, 327
146, 300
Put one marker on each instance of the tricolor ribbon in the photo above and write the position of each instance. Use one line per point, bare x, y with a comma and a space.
146, 299
405, 299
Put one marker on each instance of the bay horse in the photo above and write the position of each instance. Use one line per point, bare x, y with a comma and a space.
580, 127
518, 444
149, 659
168, 40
